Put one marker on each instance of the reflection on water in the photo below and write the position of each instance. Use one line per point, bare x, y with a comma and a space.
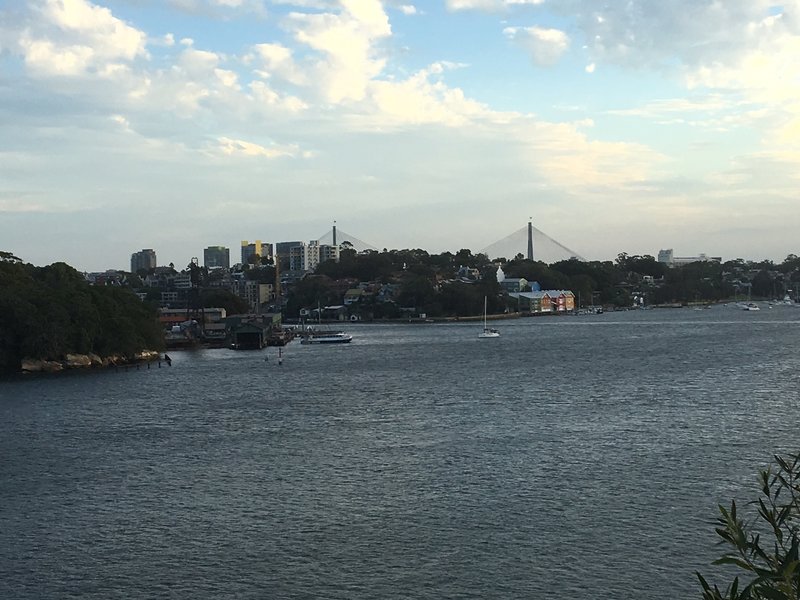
576, 457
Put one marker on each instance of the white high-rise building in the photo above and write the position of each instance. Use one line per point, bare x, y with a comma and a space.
307, 257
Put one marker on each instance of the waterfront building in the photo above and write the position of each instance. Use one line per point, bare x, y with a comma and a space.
545, 301
514, 284
217, 256
143, 260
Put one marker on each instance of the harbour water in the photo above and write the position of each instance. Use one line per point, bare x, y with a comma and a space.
571, 458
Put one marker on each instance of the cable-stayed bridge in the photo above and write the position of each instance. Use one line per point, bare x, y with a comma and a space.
336, 236
527, 240
544, 248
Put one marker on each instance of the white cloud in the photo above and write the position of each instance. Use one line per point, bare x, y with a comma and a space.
76, 37
567, 157
546, 46
20, 206
232, 147
277, 60
346, 41
265, 96
419, 100
490, 5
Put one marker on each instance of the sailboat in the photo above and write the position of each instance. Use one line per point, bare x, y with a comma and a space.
487, 332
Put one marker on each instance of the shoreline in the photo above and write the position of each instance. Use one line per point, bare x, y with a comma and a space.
91, 361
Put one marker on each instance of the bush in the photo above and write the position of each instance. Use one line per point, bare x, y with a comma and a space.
766, 547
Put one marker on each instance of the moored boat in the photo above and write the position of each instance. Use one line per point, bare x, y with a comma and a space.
326, 337
487, 332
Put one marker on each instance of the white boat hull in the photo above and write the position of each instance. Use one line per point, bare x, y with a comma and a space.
334, 338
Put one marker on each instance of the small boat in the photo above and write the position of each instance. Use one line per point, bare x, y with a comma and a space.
487, 331
750, 306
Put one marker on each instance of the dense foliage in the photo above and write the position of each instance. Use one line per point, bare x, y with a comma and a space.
219, 298
47, 312
428, 283
766, 549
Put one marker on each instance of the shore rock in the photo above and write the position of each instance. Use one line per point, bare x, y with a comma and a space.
146, 355
84, 361
77, 361
30, 365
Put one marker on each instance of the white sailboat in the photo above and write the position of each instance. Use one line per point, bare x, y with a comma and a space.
487, 332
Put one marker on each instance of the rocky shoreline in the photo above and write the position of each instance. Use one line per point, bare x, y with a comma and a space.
87, 361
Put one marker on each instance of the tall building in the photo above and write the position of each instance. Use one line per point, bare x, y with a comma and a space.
266, 252
249, 250
217, 256
307, 257
144, 259
256, 248
282, 250
297, 256
317, 253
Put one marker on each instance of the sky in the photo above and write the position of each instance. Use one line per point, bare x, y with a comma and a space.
616, 126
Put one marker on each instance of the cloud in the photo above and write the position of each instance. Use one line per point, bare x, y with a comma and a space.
420, 99
567, 157
19, 205
546, 46
345, 42
276, 60
763, 75
231, 147
641, 33
488, 5
76, 37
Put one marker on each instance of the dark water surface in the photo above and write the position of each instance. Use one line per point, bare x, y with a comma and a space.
576, 457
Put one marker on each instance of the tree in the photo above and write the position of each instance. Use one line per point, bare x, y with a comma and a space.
763, 284
9, 257
767, 549
219, 298
47, 312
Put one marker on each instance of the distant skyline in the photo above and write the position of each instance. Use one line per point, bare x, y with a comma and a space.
180, 124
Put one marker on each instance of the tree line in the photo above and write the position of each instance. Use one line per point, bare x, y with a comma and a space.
427, 283
48, 312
